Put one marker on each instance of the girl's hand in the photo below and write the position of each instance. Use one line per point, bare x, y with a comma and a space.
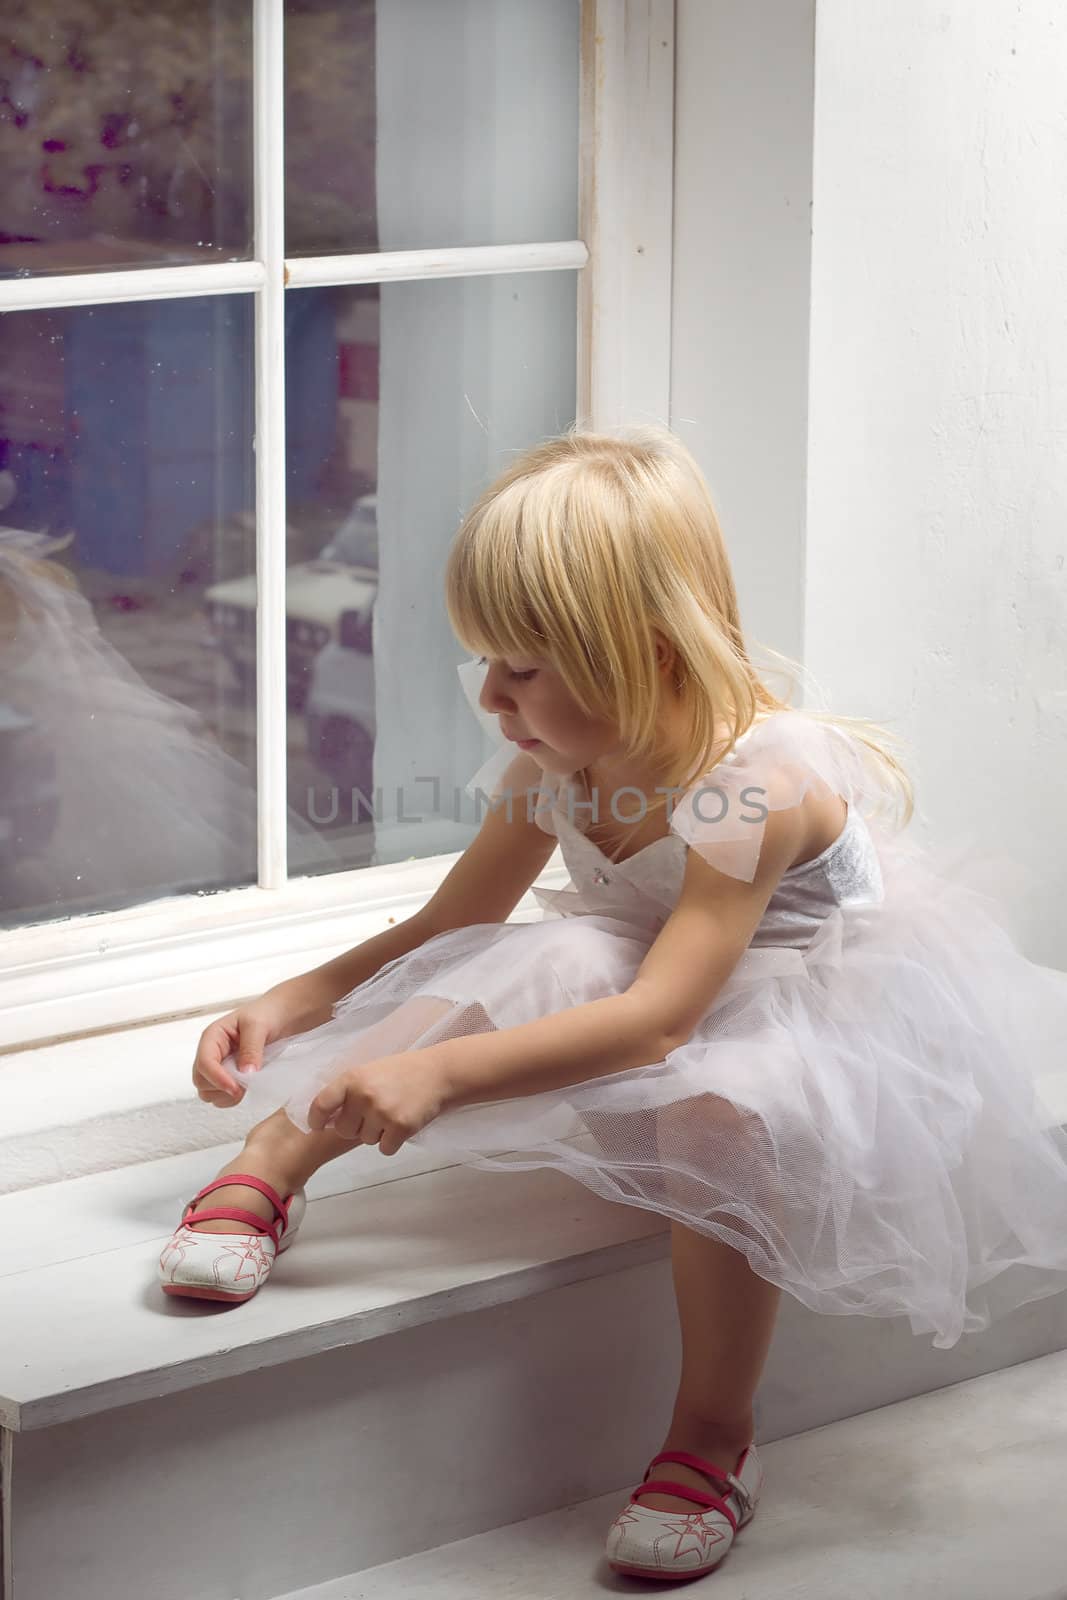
382, 1102
243, 1034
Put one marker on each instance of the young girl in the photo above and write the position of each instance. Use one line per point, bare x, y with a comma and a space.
756, 1009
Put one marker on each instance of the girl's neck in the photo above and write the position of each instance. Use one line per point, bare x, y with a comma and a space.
609, 777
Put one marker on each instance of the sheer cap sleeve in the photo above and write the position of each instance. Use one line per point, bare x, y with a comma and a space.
489, 778
723, 813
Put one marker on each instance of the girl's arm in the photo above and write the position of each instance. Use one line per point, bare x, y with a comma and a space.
484, 885
685, 968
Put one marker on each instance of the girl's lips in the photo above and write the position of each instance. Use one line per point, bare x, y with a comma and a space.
527, 744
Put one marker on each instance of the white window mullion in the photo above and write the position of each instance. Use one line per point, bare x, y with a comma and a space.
626, 211
137, 283
271, 710
468, 261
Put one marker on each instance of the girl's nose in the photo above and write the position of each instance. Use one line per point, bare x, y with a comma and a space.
491, 698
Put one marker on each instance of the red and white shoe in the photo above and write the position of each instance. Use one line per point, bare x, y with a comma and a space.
644, 1543
229, 1266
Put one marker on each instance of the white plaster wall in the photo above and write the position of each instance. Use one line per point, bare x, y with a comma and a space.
924, 580
739, 362
936, 587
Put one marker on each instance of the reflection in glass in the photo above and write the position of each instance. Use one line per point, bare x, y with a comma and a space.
125, 133
422, 391
127, 715
412, 124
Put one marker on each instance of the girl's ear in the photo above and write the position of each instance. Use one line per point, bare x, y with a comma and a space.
665, 654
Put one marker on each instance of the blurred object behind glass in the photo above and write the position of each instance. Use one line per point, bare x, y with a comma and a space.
422, 124
125, 134
127, 745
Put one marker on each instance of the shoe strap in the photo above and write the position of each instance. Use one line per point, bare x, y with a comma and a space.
235, 1214
687, 1492
281, 1207
727, 1481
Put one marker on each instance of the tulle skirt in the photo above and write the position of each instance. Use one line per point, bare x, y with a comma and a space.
862, 1120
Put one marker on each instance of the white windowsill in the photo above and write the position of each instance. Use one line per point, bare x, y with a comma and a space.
115, 1088
188, 955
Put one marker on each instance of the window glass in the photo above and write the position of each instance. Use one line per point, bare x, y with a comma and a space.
420, 123
403, 403
127, 540
128, 586
125, 134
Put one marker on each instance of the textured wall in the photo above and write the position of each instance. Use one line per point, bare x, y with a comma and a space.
742, 252
924, 402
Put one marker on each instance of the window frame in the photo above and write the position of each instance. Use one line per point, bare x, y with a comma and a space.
103, 970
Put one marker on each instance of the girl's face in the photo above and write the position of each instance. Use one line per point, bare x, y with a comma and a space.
532, 703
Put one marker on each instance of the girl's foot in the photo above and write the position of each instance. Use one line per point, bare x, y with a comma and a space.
274, 1154
722, 1447
241, 1196
229, 1258
689, 1537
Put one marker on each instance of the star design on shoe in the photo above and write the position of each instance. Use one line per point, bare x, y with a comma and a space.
253, 1258
693, 1535
692, 1532
249, 1253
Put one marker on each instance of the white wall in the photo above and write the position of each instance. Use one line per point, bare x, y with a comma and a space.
739, 363
929, 589
937, 470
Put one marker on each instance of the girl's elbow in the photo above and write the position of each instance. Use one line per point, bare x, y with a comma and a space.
658, 1024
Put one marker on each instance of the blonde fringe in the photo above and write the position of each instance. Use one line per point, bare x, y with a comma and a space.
590, 528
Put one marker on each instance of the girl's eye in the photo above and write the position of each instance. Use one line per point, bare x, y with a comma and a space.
483, 661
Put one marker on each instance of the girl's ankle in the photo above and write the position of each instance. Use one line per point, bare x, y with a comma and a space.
282, 1144
706, 1435
279, 1161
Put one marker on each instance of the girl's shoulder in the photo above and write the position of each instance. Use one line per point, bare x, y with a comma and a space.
778, 760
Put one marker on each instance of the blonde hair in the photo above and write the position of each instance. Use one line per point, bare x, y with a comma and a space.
583, 549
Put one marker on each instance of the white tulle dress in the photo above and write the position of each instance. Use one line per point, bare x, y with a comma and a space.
858, 1109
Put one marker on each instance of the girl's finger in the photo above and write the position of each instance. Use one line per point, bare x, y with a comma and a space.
326, 1104
349, 1125
208, 1066
217, 1083
370, 1130
218, 1097
205, 1085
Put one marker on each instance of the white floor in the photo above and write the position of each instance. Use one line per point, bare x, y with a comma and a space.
956, 1495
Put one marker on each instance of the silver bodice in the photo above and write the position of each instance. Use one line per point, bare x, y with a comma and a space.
644, 890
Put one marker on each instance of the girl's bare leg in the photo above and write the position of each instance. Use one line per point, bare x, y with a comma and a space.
727, 1315
278, 1152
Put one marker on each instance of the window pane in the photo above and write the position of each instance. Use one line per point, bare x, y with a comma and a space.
403, 404
127, 754
125, 133
415, 123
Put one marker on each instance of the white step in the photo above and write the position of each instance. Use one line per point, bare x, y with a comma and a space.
443, 1351
107, 1101
956, 1495
378, 1252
